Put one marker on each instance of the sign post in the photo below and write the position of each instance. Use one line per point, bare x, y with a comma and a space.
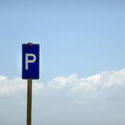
29, 101
30, 70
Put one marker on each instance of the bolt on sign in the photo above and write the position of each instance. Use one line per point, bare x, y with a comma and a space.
30, 61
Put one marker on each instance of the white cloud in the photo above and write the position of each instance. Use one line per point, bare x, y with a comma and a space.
12, 86
81, 88
2, 78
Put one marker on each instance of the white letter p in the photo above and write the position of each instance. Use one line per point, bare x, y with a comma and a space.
29, 61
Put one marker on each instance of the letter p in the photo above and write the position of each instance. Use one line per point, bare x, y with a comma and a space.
29, 61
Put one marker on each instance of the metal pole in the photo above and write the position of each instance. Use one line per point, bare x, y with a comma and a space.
29, 101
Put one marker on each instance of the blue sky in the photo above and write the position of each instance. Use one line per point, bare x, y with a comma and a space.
83, 37
82, 70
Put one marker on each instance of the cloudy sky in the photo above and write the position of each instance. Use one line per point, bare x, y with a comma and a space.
82, 64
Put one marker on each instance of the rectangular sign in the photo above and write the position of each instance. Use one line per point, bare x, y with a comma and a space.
30, 61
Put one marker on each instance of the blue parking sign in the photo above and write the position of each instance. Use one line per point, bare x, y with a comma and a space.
30, 61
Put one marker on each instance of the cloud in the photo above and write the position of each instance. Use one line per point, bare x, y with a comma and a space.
9, 87
111, 83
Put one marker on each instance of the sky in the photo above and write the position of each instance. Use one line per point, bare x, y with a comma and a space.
82, 64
